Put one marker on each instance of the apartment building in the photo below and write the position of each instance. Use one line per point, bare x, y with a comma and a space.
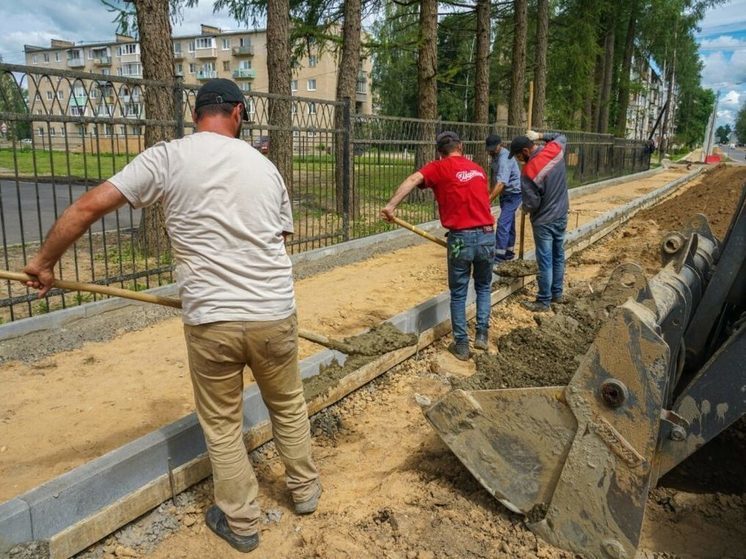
238, 55
647, 99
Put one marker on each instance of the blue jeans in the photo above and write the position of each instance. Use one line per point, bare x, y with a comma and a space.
470, 252
549, 240
505, 234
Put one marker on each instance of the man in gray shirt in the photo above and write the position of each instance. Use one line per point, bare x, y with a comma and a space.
227, 214
545, 198
505, 182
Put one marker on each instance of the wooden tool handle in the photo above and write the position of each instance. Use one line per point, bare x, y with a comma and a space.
420, 232
521, 242
101, 289
313, 337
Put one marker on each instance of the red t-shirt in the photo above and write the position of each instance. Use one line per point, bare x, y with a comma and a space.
460, 188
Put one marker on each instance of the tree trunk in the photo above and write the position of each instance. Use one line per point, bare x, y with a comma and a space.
623, 94
156, 55
349, 67
427, 84
540, 73
518, 76
608, 72
279, 73
482, 74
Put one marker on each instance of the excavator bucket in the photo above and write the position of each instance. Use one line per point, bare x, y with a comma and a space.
579, 460
516, 458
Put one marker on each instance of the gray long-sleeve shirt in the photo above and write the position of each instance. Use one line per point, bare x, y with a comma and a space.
544, 182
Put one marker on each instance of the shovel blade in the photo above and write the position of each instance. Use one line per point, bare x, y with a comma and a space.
514, 441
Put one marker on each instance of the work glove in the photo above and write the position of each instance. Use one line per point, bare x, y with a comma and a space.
533, 135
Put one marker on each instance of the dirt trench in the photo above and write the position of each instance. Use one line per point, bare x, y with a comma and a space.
393, 490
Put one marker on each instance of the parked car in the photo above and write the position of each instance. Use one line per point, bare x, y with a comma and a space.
262, 144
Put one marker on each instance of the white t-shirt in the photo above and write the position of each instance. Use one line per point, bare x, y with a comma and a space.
226, 208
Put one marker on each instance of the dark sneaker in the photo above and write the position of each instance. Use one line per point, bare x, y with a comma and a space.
509, 255
460, 350
536, 306
559, 299
309, 506
216, 521
481, 341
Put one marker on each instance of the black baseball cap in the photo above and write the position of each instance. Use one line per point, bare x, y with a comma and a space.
447, 137
518, 143
218, 91
492, 141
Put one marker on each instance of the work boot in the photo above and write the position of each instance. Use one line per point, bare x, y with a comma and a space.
509, 255
559, 299
216, 521
536, 306
460, 350
309, 506
481, 341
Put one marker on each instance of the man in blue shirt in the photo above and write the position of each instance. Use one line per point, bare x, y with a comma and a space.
505, 181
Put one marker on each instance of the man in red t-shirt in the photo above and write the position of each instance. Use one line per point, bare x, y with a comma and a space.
461, 190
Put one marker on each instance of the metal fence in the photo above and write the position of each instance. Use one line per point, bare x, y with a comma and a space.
63, 132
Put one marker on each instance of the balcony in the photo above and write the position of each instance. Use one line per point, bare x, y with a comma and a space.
102, 61
75, 62
178, 55
243, 51
207, 74
206, 53
78, 100
244, 74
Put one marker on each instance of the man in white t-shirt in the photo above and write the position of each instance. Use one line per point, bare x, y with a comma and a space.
227, 215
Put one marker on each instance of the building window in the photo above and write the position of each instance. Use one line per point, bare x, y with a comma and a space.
312, 61
226, 44
245, 86
57, 56
312, 108
106, 71
179, 69
177, 47
46, 57
362, 84
192, 68
250, 106
52, 131
50, 96
41, 130
294, 85
245, 42
35, 59
129, 48
227, 65
295, 108
311, 85
245, 65
60, 94
205, 43
191, 45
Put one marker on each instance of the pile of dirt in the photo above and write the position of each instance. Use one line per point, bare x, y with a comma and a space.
517, 269
547, 354
715, 197
382, 338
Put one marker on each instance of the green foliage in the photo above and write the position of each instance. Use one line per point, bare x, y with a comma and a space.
395, 60
723, 133
740, 127
13, 100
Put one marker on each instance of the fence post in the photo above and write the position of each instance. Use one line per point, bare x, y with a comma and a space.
179, 106
346, 167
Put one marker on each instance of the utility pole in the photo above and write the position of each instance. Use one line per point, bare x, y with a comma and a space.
710, 130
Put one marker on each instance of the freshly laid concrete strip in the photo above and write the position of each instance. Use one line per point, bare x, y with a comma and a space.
89, 502
58, 319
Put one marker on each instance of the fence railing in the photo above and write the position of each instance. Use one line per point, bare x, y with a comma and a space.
62, 132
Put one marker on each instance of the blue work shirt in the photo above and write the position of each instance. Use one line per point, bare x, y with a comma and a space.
506, 171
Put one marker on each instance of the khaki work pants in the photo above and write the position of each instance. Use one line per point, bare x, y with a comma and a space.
218, 353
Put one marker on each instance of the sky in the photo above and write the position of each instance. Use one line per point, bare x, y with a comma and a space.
722, 37
722, 42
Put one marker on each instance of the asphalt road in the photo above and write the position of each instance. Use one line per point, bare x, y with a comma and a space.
738, 155
38, 216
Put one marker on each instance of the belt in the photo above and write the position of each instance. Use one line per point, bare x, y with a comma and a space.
482, 229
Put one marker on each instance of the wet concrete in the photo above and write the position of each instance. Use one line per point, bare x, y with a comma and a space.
517, 268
